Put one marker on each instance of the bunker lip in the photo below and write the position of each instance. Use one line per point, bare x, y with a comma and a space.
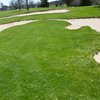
39, 12
9, 25
97, 57
94, 23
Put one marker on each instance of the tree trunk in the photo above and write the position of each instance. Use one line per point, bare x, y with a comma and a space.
27, 6
19, 5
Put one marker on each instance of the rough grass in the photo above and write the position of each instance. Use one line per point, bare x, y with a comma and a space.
45, 61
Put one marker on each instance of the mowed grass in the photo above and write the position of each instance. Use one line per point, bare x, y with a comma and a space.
45, 61
23, 11
74, 12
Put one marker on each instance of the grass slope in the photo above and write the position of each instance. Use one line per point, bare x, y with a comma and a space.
45, 61
75, 12
16, 12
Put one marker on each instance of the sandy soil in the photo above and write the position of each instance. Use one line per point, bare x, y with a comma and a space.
5, 26
97, 57
94, 23
36, 13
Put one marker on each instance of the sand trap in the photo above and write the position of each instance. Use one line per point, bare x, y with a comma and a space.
94, 23
36, 13
97, 57
5, 26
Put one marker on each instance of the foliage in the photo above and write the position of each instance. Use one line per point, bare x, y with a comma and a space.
1, 5
17, 4
81, 2
67, 2
27, 5
86, 2
44, 3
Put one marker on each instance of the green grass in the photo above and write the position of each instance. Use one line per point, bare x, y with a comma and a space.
16, 12
75, 12
45, 61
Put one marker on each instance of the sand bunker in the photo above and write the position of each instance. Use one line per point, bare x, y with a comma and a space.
36, 13
94, 23
5, 26
97, 57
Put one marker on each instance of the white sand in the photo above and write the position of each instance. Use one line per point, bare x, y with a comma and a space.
36, 13
97, 57
94, 23
5, 26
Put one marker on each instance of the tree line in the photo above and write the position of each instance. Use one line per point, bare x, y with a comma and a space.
20, 4
81, 2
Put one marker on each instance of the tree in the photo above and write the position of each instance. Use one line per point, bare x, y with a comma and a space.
19, 5
68, 2
1, 5
86, 2
38, 4
44, 3
27, 6
78, 2
98, 2
31, 4
13, 4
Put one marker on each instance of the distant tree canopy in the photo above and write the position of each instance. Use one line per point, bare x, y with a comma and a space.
68, 2
1, 5
81, 2
86, 2
27, 5
44, 3
19, 4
